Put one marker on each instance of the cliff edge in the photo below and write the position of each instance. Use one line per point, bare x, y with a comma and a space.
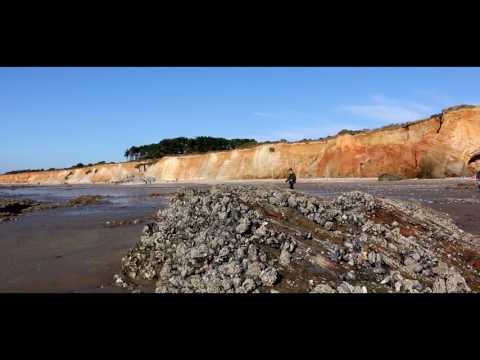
444, 145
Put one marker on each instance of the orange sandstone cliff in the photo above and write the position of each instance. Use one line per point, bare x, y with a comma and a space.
440, 146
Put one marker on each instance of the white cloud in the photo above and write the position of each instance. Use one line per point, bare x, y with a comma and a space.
299, 133
389, 110
379, 110
384, 112
286, 115
307, 126
435, 97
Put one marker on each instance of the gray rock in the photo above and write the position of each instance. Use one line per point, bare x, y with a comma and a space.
148, 273
262, 257
328, 225
396, 276
254, 269
426, 272
323, 289
392, 247
411, 285
455, 283
285, 257
249, 285
232, 268
346, 288
357, 245
439, 286
241, 253
415, 256
243, 226
292, 201
224, 252
441, 269
378, 269
412, 265
199, 252
350, 275
227, 284
233, 238
289, 246
386, 280
252, 252
262, 230
236, 281
118, 281
165, 272
269, 276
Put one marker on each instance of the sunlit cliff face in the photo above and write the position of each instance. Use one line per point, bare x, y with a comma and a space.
441, 146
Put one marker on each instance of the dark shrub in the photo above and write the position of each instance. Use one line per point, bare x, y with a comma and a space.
183, 145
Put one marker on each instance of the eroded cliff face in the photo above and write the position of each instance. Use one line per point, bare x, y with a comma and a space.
438, 147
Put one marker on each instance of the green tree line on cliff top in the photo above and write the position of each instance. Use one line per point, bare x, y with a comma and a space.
183, 145
78, 166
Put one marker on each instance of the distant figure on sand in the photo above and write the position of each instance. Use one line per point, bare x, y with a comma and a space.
478, 179
292, 178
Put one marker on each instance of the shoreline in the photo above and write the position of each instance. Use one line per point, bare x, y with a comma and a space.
235, 181
79, 249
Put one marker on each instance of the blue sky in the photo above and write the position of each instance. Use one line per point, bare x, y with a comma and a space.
57, 117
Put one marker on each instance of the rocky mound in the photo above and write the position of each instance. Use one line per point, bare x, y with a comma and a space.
238, 239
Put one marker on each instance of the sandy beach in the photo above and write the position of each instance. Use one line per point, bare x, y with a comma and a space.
79, 249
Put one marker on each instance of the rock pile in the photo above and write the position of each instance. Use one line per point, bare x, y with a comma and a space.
10, 209
85, 200
240, 239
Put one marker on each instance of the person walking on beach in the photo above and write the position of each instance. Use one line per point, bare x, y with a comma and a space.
292, 178
478, 179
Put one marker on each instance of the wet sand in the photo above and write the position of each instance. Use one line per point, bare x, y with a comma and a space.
71, 249
75, 250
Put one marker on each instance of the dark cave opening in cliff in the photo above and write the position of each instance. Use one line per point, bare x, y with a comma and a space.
474, 158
